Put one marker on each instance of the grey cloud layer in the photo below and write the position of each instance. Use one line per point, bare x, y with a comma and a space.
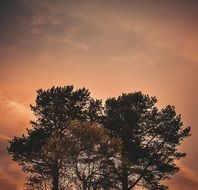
81, 25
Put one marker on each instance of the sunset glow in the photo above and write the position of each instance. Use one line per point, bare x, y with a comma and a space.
109, 47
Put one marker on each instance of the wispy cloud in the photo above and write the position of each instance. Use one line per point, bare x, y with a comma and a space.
108, 46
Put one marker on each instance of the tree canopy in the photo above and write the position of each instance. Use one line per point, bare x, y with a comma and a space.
42, 151
75, 142
149, 139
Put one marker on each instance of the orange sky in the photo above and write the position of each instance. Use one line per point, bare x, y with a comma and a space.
109, 47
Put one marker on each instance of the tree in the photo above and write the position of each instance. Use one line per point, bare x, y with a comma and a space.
91, 150
149, 140
41, 152
75, 143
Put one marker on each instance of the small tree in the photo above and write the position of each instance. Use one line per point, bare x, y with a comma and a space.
149, 139
89, 156
41, 152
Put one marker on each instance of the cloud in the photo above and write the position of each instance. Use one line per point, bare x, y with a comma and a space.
14, 117
127, 32
186, 178
6, 183
108, 46
78, 45
11, 176
190, 174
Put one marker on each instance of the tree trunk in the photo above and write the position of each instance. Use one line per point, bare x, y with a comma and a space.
124, 169
55, 180
125, 179
84, 185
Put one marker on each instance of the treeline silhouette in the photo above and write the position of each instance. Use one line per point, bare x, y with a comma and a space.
77, 142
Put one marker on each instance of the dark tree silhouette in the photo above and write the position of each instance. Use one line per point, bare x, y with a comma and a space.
41, 152
76, 143
149, 139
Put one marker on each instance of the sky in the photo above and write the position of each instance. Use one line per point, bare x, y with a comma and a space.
107, 46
